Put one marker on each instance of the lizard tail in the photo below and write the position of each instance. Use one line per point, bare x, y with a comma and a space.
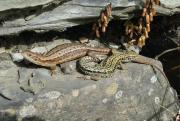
152, 62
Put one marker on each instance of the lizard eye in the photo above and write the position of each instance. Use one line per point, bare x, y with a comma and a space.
29, 54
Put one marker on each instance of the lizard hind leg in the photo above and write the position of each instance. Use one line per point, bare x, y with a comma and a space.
97, 56
121, 66
53, 70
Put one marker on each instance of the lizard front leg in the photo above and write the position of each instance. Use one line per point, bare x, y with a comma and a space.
121, 66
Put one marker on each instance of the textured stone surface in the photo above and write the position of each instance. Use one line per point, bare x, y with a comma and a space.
138, 93
12, 4
133, 94
27, 111
9, 88
69, 13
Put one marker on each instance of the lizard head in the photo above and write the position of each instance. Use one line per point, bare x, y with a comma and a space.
30, 56
130, 55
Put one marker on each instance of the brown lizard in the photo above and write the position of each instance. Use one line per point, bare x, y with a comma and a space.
62, 53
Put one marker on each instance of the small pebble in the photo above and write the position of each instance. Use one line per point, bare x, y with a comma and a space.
69, 67
105, 100
157, 100
153, 79
75, 93
112, 89
134, 48
27, 111
51, 95
39, 50
112, 45
16, 57
150, 92
29, 100
2, 50
83, 40
119, 94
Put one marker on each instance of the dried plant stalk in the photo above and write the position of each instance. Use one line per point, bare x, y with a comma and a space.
143, 28
102, 23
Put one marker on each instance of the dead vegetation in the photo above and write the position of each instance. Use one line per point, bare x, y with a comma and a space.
136, 32
102, 23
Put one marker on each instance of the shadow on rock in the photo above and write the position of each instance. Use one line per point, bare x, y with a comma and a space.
33, 119
6, 116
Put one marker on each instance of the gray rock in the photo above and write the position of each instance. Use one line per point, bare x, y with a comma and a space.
18, 4
5, 57
50, 95
10, 92
8, 70
137, 94
95, 43
27, 111
31, 80
69, 67
170, 4
83, 40
112, 45
2, 50
7, 93
16, 57
134, 48
39, 50
71, 13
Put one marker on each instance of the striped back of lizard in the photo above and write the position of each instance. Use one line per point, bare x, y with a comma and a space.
89, 65
62, 53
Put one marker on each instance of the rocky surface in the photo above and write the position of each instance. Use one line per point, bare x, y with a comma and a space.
46, 15
28, 92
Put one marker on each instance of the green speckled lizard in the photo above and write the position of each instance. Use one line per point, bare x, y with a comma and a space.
105, 68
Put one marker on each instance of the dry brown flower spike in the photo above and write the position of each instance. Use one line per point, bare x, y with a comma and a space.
144, 24
102, 22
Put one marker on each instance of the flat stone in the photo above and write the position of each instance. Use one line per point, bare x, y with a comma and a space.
17, 57
19, 4
134, 94
51, 95
71, 13
27, 111
69, 67
31, 80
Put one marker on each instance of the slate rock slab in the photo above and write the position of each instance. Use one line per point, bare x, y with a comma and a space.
72, 13
30, 81
18, 4
29, 92
139, 93
9, 88
129, 95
